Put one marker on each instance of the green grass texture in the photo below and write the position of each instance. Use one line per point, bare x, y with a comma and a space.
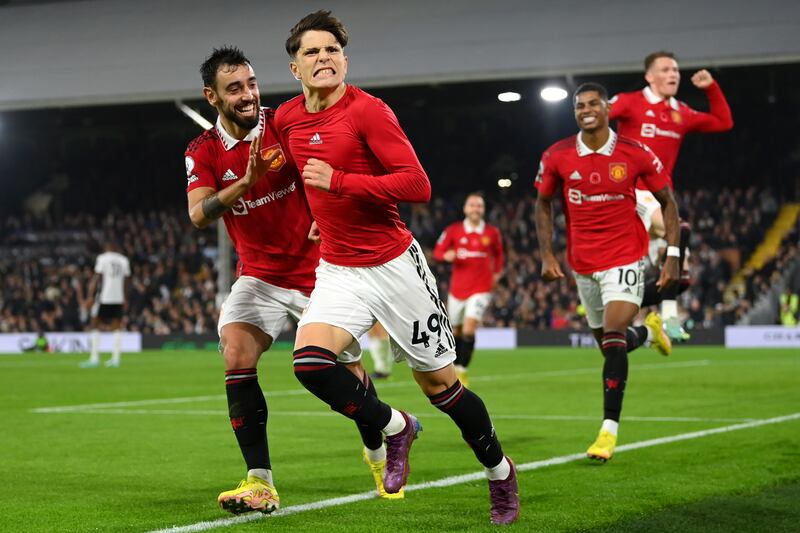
148, 446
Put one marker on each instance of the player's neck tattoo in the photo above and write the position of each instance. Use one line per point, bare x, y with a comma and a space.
213, 208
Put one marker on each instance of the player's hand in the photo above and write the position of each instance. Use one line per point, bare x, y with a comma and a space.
318, 174
257, 165
669, 273
551, 270
449, 256
702, 79
313, 233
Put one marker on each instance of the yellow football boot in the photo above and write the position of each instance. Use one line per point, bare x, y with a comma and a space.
377, 473
603, 447
661, 341
252, 494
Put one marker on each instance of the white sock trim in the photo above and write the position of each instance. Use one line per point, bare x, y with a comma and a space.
261, 473
499, 472
376, 455
612, 426
396, 424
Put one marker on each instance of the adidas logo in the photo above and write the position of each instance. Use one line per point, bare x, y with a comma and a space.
440, 350
627, 291
315, 139
649, 113
229, 176
575, 176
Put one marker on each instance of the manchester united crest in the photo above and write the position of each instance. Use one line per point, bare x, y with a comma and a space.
279, 161
618, 171
485, 240
676, 117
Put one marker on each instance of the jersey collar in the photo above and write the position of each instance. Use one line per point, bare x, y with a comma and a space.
468, 228
229, 142
607, 149
651, 98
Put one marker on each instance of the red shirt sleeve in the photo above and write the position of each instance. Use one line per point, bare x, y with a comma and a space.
619, 106
499, 259
652, 170
405, 181
199, 172
718, 119
547, 180
444, 243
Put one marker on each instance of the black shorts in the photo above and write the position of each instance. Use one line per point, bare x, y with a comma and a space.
109, 312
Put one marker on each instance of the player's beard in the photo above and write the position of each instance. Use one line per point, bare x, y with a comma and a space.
247, 123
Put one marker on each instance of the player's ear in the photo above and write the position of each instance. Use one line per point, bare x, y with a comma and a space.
295, 70
210, 95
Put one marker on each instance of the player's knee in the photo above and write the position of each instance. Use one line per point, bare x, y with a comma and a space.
313, 366
238, 355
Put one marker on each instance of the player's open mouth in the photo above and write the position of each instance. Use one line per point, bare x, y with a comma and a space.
325, 72
588, 121
248, 109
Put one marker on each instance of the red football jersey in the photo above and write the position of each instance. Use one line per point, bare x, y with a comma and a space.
479, 256
662, 124
375, 167
603, 229
269, 224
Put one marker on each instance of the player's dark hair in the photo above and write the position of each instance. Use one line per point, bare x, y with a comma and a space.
224, 55
321, 20
479, 194
591, 86
648, 61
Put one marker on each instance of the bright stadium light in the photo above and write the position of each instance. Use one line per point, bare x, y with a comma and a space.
553, 94
194, 115
504, 183
509, 97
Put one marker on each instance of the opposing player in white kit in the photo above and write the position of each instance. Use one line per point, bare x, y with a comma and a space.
112, 275
475, 249
380, 349
357, 165
239, 171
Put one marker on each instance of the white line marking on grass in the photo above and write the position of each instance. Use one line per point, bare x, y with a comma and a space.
557, 418
466, 478
383, 386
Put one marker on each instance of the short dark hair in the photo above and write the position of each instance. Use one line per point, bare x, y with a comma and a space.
648, 61
478, 194
590, 86
321, 20
224, 55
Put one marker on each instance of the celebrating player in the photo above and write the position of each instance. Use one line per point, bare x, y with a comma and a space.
239, 171
598, 171
112, 275
654, 117
357, 165
475, 249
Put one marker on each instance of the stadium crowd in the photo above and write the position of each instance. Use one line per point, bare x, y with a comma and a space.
46, 264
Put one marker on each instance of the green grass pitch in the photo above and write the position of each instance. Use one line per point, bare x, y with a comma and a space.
154, 447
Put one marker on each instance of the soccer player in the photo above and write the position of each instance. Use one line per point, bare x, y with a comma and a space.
475, 249
597, 171
381, 351
357, 165
112, 279
239, 171
654, 117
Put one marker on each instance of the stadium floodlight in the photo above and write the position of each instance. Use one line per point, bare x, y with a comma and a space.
553, 94
509, 97
194, 115
504, 183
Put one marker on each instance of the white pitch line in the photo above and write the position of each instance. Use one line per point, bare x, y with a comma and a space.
383, 386
220, 412
466, 478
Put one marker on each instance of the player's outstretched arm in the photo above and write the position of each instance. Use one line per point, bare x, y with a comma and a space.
207, 205
551, 270
669, 273
719, 117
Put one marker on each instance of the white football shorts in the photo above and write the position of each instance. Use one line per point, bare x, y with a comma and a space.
400, 294
268, 308
473, 307
623, 283
646, 205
